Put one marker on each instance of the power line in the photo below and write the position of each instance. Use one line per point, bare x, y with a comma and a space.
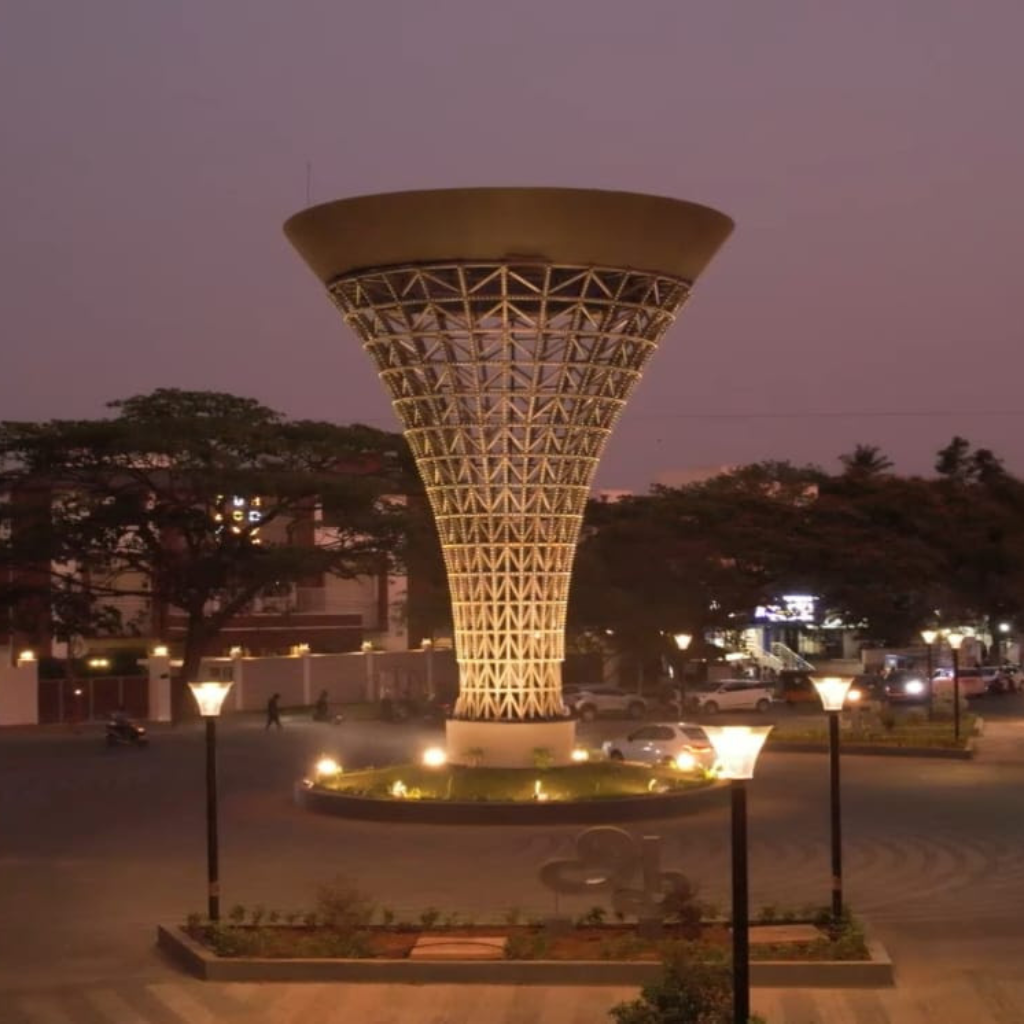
791, 414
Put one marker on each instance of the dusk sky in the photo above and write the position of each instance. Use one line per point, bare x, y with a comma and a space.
871, 154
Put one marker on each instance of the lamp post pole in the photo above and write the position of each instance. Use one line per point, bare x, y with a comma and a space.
682, 642
929, 637
837, 818
833, 690
956, 693
740, 904
210, 698
955, 638
212, 859
737, 747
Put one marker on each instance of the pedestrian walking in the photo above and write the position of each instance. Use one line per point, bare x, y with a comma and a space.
274, 711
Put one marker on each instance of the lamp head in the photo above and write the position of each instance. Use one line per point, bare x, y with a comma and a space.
929, 636
955, 639
210, 697
683, 640
737, 747
832, 690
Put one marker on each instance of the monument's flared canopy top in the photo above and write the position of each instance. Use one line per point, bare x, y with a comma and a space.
578, 227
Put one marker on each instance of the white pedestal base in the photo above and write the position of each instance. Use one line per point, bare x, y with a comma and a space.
509, 744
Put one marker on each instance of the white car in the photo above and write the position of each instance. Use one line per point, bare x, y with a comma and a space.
590, 701
730, 695
664, 743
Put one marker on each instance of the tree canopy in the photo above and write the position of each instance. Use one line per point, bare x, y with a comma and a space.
201, 500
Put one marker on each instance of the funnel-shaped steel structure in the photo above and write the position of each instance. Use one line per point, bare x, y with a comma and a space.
509, 327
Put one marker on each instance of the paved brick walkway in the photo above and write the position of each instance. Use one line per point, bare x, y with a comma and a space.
966, 999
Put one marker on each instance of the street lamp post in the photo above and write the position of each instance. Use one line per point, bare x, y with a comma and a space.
832, 690
955, 638
210, 698
929, 636
737, 747
682, 642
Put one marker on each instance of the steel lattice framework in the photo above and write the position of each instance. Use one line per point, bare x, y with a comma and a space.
508, 377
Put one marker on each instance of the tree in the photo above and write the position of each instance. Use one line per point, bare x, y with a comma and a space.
201, 501
866, 460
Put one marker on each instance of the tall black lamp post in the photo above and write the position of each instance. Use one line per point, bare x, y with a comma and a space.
833, 690
929, 636
737, 747
955, 638
210, 698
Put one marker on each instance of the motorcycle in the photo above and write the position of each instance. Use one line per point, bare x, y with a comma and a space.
123, 733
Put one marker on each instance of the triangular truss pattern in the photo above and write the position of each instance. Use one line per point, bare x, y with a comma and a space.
508, 378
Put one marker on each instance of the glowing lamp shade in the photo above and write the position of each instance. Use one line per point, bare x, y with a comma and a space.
683, 641
434, 757
366, 646
832, 690
160, 651
929, 636
26, 657
210, 697
737, 747
580, 754
955, 639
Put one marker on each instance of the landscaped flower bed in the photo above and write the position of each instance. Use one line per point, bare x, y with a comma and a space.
597, 780
345, 924
875, 731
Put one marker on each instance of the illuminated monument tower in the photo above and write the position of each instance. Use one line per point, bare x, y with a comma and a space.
509, 326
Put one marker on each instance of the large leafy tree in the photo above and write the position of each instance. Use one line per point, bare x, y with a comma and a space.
142, 504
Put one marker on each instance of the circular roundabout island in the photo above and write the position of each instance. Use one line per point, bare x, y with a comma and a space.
593, 792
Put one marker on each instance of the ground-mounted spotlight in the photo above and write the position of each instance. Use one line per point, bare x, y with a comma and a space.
326, 768
434, 757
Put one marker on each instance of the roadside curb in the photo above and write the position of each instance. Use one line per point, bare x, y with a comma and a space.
200, 962
554, 812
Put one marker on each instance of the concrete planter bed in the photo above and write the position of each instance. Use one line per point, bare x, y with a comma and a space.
493, 969
481, 812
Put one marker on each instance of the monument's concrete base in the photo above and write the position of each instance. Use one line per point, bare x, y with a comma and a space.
509, 744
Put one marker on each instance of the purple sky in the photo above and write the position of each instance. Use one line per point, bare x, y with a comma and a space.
871, 153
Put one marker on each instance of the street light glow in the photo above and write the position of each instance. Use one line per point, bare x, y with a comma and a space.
210, 697
737, 747
832, 690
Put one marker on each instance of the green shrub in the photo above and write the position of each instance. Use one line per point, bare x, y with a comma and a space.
341, 908
236, 915
531, 945
429, 918
681, 908
688, 991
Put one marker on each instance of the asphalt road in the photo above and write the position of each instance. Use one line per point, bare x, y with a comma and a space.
96, 846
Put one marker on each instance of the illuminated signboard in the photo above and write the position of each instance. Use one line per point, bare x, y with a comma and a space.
794, 608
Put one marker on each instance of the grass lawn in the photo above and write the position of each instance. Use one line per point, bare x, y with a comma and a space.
872, 730
591, 781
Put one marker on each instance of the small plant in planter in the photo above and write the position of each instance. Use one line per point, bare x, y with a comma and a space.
429, 918
593, 918
542, 758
